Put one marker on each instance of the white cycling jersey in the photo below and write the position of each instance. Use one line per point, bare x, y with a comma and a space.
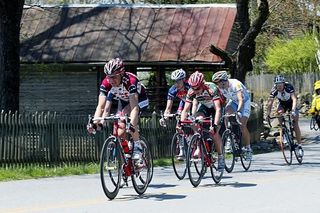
231, 92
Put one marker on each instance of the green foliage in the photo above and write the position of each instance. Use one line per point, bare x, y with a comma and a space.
292, 56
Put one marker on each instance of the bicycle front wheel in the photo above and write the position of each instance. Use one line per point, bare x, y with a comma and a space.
179, 148
245, 160
195, 160
215, 173
142, 169
229, 150
110, 167
285, 144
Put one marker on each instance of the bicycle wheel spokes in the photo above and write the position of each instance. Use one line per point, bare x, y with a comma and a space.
178, 155
285, 146
110, 168
142, 169
215, 173
195, 160
229, 150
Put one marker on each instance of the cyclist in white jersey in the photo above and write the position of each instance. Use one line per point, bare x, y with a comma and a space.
238, 101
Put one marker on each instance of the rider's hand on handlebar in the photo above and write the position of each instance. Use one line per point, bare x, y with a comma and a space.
162, 122
92, 128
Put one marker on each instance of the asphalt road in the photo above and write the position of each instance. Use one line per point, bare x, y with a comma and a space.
269, 186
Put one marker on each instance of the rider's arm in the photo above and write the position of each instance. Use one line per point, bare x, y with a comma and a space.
269, 106
194, 106
240, 100
217, 116
185, 110
168, 107
101, 105
294, 101
133, 100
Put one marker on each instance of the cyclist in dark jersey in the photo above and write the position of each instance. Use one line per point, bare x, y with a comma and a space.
128, 90
210, 102
285, 93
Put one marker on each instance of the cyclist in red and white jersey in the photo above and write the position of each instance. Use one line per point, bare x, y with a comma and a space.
131, 95
210, 102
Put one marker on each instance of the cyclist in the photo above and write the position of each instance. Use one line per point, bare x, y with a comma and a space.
210, 102
178, 90
239, 102
131, 95
287, 102
315, 104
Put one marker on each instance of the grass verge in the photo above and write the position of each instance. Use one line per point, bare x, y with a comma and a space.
32, 172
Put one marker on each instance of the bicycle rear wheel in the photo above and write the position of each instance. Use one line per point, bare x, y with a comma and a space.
285, 144
179, 164
142, 170
215, 173
195, 160
110, 167
229, 150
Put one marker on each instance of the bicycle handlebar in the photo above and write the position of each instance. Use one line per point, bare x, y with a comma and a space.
235, 115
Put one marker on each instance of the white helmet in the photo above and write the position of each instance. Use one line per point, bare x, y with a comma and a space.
279, 79
178, 75
220, 75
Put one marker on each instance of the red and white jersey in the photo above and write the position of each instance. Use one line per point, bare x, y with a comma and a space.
129, 85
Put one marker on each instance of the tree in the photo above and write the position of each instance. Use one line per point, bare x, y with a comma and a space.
287, 56
239, 62
10, 19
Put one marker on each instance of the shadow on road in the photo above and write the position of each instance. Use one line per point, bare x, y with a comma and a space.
156, 197
160, 186
235, 185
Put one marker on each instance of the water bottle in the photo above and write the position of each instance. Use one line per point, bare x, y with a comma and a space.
124, 144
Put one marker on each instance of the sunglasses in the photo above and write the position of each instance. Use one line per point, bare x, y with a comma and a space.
196, 88
178, 82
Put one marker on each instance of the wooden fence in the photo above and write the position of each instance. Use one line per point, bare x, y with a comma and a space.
49, 139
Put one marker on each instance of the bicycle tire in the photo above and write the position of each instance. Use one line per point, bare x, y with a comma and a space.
151, 157
246, 163
286, 149
196, 174
299, 158
230, 152
312, 123
179, 166
315, 124
215, 173
140, 183
110, 161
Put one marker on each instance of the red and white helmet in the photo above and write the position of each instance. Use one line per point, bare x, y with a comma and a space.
196, 79
114, 67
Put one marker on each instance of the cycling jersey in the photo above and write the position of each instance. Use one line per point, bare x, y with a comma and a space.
284, 95
129, 85
231, 92
209, 95
181, 94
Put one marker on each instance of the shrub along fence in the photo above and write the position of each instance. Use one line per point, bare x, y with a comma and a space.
51, 139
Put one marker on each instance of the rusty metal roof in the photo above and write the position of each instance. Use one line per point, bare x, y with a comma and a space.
134, 33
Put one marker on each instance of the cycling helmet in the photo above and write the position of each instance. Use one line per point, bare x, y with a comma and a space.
178, 75
196, 79
316, 86
114, 67
279, 79
220, 75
